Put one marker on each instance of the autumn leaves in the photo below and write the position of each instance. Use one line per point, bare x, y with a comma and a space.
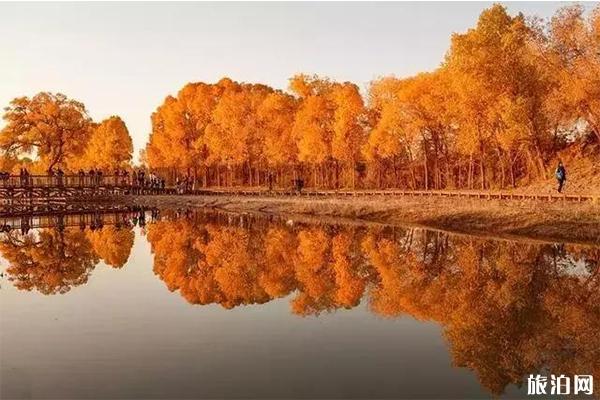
235, 133
50, 131
109, 147
52, 261
509, 96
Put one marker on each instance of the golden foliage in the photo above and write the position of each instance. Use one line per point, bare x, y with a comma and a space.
109, 148
51, 126
112, 244
49, 261
511, 93
52, 131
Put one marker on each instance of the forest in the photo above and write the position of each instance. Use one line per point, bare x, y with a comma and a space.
512, 94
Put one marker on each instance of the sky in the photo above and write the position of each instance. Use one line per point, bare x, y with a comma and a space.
125, 58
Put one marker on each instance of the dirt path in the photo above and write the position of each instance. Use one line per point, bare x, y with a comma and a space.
546, 221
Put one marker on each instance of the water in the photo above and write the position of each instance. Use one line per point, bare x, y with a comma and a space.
205, 305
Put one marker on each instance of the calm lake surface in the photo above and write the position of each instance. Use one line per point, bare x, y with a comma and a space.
197, 304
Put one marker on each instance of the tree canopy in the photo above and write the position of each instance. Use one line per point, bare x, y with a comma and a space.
511, 93
50, 131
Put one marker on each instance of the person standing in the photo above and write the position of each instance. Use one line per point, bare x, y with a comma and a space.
81, 175
561, 176
59, 175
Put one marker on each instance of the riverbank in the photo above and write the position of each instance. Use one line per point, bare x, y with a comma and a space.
548, 221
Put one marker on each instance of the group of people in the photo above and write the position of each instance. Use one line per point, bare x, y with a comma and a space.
136, 179
58, 174
25, 226
94, 177
4, 176
139, 180
142, 182
184, 185
121, 177
154, 182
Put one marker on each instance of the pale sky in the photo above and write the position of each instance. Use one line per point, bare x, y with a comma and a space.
124, 58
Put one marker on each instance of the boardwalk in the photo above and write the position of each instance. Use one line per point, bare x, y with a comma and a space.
75, 217
486, 195
43, 190
68, 208
30, 189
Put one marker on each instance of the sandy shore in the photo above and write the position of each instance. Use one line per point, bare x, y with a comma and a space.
559, 221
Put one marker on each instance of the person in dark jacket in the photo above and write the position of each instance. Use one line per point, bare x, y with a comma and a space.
561, 176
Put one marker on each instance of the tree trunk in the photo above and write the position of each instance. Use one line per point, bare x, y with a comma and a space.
512, 174
249, 169
502, 172
482, 169
426, 174
395, 166
413, 178
470, 174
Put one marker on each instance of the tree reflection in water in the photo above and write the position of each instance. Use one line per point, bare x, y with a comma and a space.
49, 260
507, 308
112, 244
54, 260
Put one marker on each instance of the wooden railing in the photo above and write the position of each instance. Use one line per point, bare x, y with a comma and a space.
69, 181
488, 195
44, 188
9, 185
80, 217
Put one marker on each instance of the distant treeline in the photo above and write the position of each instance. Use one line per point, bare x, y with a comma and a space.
510, 94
